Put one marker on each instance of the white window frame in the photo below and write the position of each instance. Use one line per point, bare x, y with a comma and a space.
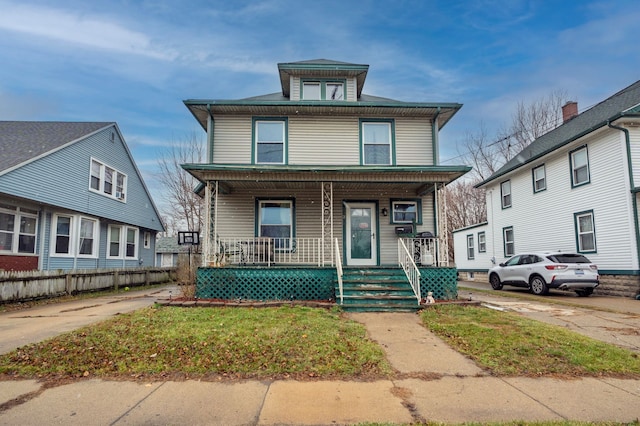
505, 194
281, 243
368, 143
482, 242
19, 213
470, 247
395, 203
95, 237
258, 142
509, 245
536, 178
117, 185
580, 232
575, 170
122, 241
54, 235
147, 239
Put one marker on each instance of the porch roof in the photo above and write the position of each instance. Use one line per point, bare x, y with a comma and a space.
419, 179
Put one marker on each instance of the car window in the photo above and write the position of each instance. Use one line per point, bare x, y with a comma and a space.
568, 258
513, 261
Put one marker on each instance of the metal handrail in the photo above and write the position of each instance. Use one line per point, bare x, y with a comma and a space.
405, 259
339, 271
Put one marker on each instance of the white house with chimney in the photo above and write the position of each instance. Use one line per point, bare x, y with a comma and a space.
574, 189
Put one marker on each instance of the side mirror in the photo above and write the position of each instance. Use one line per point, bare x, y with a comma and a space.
503, 265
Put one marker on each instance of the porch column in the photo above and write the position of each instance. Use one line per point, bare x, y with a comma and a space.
443, 229
210, 224
326, 243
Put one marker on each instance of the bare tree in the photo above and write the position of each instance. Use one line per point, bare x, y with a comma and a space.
465, 207
183, 209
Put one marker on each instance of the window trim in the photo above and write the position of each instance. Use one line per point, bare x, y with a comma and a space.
502, 194
122, 241
285, 141
95, 238
54, 235
482, 246
392, 140
505, 242
323, 82
576, 224
470, 247
18, 212
146, 239
572, 153
533, 178
416, 201
292, 225
102, 182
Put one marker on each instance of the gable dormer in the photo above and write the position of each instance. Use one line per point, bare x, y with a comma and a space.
322, 80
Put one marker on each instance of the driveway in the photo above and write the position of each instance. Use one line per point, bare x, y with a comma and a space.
19, 328
610, 319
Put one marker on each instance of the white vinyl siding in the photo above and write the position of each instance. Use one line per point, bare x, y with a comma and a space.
634, 138
232, 140
414, 143
323, 141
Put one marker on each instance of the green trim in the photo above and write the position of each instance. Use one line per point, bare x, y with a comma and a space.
324, 168
210, 134
618, 272
285, 142
483, 233
502, 195
504, 241
434, 138
392, 147
577, 233
533, 178
580, 148
486, 271
256, 213
296, 66
418, 202
382, 104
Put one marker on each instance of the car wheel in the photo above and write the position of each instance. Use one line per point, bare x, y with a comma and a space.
494, 280
585, 292
538, 286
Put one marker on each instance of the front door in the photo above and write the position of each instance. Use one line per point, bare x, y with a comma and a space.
360, 236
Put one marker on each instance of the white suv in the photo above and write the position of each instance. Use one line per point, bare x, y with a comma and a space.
541, 271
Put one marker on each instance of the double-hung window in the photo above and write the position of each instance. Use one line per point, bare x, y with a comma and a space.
482, 242
585, 232
123, 242
74, 235
107, 181
579, 160
508, 241
470, 248
505, 194
377, 142
275, 220
18, 229
270, 137
324, 90
539, 178
405, 211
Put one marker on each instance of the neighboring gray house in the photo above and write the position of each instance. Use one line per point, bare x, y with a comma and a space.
71, 197
168, 251
574, 189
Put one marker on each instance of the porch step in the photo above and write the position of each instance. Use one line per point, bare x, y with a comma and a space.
377, 290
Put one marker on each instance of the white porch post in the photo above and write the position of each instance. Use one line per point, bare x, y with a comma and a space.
210, 224
326, 243
443, 229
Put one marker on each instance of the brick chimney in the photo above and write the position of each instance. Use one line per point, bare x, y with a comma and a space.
569, 110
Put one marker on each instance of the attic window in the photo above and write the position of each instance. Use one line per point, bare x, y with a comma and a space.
318, 90
104, 178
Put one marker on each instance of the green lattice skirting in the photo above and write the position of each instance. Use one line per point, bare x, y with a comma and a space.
277, 283
266, 283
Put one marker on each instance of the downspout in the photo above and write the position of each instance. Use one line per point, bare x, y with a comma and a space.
210, 128
632, 186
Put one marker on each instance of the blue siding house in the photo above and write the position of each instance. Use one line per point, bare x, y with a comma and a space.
71, 197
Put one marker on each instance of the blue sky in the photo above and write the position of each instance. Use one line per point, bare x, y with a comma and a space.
134, 62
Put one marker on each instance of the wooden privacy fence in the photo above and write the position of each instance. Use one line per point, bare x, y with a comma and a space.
26, 285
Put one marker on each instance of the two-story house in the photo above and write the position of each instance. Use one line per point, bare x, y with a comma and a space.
318, 177
573, 189
71, 197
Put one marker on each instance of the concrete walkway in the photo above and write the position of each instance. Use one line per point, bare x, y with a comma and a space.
434, 383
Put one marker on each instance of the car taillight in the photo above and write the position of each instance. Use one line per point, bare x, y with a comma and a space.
593, 267
555, 267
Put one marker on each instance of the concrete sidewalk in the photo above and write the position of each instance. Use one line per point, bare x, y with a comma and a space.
434, 383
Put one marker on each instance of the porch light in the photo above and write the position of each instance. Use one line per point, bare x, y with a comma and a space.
385, 211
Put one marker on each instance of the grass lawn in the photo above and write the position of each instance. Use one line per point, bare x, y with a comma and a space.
508, 344
196, 342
